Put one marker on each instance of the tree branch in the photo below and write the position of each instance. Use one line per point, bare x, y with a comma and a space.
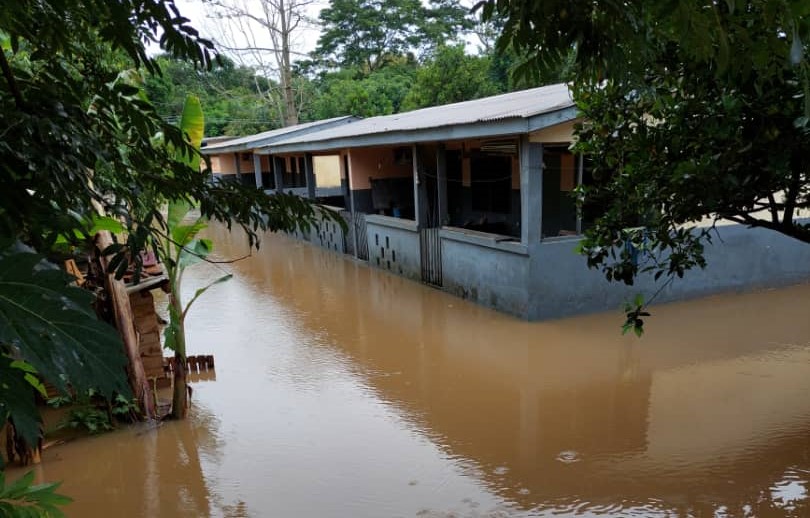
773, 208
799, 232
793, 189
12, 82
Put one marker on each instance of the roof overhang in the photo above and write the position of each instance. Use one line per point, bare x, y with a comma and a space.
511, 126
261, 142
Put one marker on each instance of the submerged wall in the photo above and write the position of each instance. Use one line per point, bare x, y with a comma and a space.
477, 267
550, 280
393, 245
739, 259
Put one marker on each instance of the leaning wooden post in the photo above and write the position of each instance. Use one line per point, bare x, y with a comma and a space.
126, 328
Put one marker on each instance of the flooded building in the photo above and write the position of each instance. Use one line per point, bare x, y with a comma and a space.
238, 159
477, 198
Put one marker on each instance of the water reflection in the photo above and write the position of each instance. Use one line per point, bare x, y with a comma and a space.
706, 412
344, 391
138, 471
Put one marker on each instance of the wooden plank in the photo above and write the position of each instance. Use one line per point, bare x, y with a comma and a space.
126, 327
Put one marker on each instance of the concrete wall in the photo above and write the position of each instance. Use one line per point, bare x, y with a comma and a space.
373, 163
216, 164
393, 245
478, 268
329, 235
223, 168
557, 134
327, 170
549, 280
376, 162
740, 259
225, 164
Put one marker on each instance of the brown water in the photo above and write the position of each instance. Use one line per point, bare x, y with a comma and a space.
342, 391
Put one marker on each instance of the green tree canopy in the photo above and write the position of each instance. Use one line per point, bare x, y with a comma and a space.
231, 95
366, 34
350, 92
694, 111
452, 76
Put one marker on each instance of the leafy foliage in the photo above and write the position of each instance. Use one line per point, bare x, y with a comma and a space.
23, 499
17, 398
89, 418
91, 412
352, 92
231, 95
451, 76
365, 34
52, 327
695, 112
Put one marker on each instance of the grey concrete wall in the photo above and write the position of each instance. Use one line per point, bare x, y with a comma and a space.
329, 235
739, 259
393, 245
490, 276
549, 280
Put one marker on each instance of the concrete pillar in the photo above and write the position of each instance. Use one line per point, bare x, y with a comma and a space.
441, 175
348, 162
344, 181
531, 190
466, 184
257, 170
310, 176
278, 172
238, 165
417, 199
580, 167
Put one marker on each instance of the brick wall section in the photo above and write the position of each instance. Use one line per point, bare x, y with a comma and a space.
148, 330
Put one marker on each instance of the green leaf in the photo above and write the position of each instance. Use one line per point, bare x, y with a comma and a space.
177, 211
203, 290
192, 123
17, 400
172, 329
194, 252
99, 223
21, 498
184, 234
53, 327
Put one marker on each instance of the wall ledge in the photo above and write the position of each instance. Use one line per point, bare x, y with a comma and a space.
474, 237
328, 191
391, 222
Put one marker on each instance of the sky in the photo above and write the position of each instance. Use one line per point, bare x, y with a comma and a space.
200, 15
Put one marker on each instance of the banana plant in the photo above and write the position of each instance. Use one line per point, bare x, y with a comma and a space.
180, 248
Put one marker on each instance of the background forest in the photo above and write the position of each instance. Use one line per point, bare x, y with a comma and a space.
372, 58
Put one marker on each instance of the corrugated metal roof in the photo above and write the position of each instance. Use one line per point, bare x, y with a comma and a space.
514, 105
268, 137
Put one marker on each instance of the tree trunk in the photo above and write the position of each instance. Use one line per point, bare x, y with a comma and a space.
290, 109
285, 67
180, 395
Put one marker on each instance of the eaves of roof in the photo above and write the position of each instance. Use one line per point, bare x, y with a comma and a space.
258, 140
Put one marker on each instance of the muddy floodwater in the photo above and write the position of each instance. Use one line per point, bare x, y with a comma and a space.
343, 391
